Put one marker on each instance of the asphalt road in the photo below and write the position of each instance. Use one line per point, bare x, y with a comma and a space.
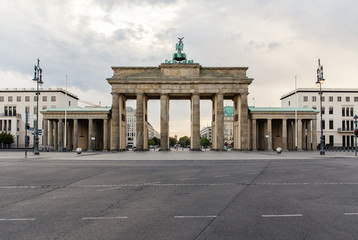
253, 199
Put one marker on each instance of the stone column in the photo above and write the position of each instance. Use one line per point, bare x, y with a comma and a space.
45, 132
244, 117
284, 134
70, 135
254, 135
55, 137
309, 135
90, 134
145, 118
195, 122
164, 122
269, 132
236, 123
105, 134
140, 123
299, 135
60, 134
314, 134
115, 122
75, 133
122, 125
219, 122
50, 133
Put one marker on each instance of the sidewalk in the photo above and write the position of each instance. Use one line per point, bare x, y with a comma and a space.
173, 155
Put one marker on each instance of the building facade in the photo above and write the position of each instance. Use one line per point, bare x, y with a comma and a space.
338, 109
228, 125
206, 132
15, 102
131, 127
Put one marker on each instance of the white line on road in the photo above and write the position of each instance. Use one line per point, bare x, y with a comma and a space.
184, 179
151, 183
17, 219
105, 189
222, 176
209, 216
282, 215
103, 218
350, 214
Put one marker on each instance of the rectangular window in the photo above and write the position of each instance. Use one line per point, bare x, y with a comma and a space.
14, 111
331, 140
9, 126
347, 111
44, 107
339, 99
330, 98
53, 98
18, 98
35, 110
323, 98
10, 111
352, 126
314, 98
348, 99
305, 98
6, 111
1, 98
343, 125
356, 99
27, 98
352, 112
330, 110
44, 98
35, 98
9, 98
343, 141
323, 124
27, 109
323, 110
330, 124
343, 112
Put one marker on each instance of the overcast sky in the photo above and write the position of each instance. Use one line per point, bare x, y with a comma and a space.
277, 40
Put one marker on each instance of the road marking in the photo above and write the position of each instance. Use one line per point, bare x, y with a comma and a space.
209, 216
151, 183
105, 189
222, 176
184, 179
282, 215
350, 214
17, 219
103, 218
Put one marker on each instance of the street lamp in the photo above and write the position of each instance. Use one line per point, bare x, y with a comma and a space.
38, 79
320, 81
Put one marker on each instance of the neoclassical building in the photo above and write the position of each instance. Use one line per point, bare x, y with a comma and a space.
253, 129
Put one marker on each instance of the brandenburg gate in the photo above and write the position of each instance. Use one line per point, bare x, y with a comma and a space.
179, 78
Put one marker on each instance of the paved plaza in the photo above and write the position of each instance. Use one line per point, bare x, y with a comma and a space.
178, 195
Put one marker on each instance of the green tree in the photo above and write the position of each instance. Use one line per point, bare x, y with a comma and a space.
156, 141
172, 141
184, 141
151, 142
204, 142
6, 138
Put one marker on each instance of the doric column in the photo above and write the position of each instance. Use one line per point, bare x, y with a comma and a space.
314, 134
244, 117
90, 134
140, 123
50, 133
55, 137
115, 122
219, 122
254, 135
122, 125
284, 134
195, 122
75, 133
69, 134
44, 132
236, 123
60, 134
105, 134
299, 135
269, 133
309, 135
164, 122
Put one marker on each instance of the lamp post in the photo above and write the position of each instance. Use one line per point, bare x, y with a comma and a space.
320, 81
38, 79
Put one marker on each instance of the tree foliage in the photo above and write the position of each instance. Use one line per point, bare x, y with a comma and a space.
151, 142
7, 138
156, 141
172, 141
204, 142
184, 141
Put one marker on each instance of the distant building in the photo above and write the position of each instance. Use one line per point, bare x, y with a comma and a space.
131, 127
339, 105
14, 103
206, 132
228, 125
152, 132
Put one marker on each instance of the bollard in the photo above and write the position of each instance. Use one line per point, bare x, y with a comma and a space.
79, 150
